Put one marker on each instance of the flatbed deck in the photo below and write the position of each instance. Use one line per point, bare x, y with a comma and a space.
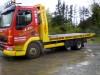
68, 36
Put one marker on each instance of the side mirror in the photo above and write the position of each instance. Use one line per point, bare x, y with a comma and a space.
39, 19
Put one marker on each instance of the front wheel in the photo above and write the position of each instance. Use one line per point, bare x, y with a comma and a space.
33, 51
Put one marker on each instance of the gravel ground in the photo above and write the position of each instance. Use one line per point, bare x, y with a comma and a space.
55, 62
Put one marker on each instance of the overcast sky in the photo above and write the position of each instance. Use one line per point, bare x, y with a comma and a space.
52, 3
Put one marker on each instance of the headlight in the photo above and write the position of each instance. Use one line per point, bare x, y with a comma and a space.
10, 49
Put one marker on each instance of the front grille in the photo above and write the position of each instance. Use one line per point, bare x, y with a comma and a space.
3, 39
2, 46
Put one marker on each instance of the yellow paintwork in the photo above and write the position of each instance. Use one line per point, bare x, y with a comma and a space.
71, 37
29, 41
54, 45
44, 25
14, 53
24, 47
92, 34
14, 1
20, 53
20, 50
19, 47
9, 53
88, 39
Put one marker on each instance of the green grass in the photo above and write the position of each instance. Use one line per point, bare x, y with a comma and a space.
96, 39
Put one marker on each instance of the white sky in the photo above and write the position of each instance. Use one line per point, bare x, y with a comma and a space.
52, 3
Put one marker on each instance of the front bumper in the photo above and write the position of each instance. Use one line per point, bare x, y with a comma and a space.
9, 53
14, 53
11, 50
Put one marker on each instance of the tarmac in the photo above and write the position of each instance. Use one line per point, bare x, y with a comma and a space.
55, 62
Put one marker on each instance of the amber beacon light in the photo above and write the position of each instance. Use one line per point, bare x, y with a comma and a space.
14, 1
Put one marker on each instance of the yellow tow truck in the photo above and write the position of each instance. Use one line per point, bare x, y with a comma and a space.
25, 32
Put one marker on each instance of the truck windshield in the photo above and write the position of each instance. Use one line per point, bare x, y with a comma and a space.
6, 19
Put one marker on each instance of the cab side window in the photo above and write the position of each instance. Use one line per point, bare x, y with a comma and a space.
24, 18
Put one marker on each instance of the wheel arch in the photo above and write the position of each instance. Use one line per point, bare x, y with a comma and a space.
33, 40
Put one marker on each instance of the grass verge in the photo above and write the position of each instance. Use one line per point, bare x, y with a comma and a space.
96, 39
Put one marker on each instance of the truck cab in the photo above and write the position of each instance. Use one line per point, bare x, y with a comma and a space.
18, 24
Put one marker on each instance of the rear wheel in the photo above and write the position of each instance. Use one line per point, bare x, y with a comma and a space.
69, 44
78, 45
68, 48
33, 51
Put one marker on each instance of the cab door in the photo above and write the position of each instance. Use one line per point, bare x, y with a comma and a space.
25, 26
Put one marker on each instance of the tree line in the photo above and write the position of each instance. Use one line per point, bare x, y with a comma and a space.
70, 18
66, 18
92, 24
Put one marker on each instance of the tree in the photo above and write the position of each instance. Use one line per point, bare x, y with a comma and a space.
61, 21
58, 8
63, 10
59, 14
49, 17
84, 17
91, 24
96, 14
66, 12
71, 13
57, 21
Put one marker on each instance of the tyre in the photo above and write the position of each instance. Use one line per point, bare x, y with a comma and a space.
68, 48
69, 44
78, 45
33, 51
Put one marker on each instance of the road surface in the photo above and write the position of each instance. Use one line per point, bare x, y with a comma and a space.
55, 62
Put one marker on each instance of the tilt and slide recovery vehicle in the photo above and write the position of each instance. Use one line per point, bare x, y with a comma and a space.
24, 32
